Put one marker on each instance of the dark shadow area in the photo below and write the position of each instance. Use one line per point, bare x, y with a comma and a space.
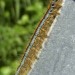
74, 0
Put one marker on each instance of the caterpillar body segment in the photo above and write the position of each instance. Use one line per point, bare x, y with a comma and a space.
24, 70
26, 67
58, 5
40, 34
32, 58
55, 12
38, 40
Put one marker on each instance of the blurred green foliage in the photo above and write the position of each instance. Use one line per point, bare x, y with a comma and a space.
18, 19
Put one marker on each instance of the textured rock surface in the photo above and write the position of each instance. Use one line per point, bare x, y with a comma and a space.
58, 54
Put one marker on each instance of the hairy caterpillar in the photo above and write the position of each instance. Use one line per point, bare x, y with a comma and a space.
35, 45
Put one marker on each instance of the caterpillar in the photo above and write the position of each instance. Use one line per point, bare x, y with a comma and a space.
40, 34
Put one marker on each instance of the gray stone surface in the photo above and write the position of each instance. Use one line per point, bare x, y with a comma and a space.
58, 54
